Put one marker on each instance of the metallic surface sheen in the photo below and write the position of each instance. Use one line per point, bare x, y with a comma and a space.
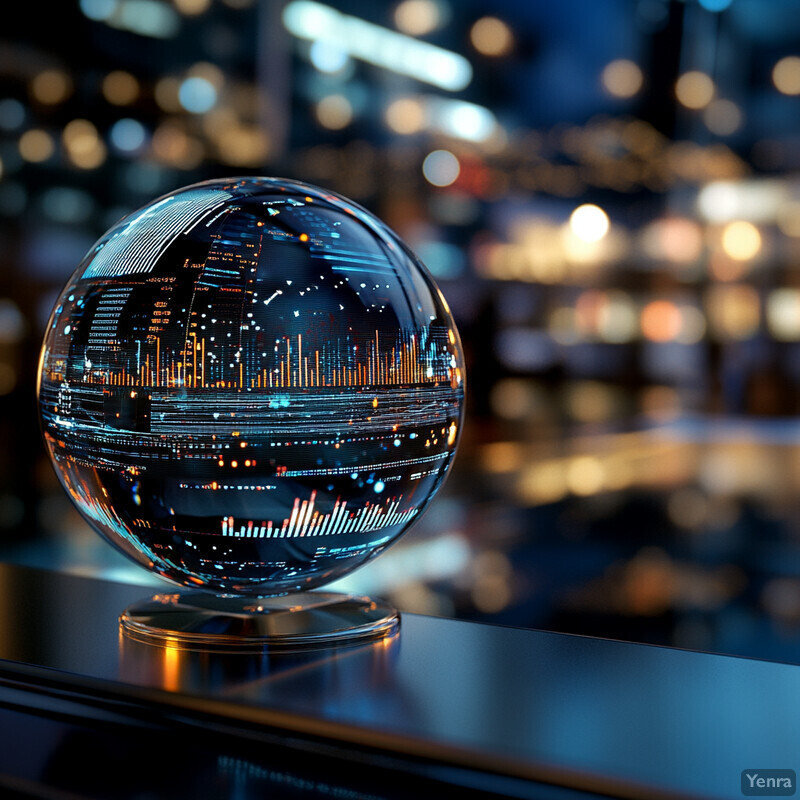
628, 719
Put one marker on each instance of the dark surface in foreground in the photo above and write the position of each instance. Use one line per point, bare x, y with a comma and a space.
501, 709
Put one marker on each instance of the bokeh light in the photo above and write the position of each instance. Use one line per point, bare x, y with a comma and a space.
406, 115
441, 168
51, 86
83, 145
128, 135
741, 240
197, 94
622, 78
783, 314
418, 17
788, 218
722, 117
661, 321
334, 112
589, 223
786, 75
120, 88
192, 8
328, 57
694, 89
36, 145
491, 36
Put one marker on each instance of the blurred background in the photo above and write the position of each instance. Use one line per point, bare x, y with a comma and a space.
609, 197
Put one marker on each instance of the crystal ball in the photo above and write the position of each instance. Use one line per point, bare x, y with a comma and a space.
251, 386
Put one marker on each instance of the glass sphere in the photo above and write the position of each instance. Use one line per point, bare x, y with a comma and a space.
251, 385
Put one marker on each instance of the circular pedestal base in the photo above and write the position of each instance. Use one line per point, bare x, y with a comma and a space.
306, 619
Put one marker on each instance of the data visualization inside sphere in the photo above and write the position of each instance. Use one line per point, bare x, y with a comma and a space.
251, 385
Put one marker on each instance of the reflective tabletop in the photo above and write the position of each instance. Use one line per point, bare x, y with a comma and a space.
596, 715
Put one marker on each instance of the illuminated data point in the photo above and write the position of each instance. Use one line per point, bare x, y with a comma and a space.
251, 386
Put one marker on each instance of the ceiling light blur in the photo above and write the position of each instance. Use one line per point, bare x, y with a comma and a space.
377, 45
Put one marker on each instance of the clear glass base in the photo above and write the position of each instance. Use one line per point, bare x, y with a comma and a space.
195, 620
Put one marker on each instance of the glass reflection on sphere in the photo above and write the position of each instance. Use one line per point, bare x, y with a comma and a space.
251, 385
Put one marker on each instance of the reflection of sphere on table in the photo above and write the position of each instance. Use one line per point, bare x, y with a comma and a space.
251, 385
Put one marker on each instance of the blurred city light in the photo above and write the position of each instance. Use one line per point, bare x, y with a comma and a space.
197, 95
788, 218
722, 117
328, 57
441, 168
192, 7
120, 88
674, 239
406, 115
783, 314
694, 89
128, 135
83, 144
334, 112
786, 75
622, 78
491, 36
419, 17
756, 200
376, 45
741, 240
143, 17
36, 145
661, 321
51, 86
589, 222
715, 5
